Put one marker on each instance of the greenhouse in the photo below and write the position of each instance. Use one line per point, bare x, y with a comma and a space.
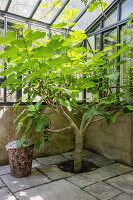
66, 99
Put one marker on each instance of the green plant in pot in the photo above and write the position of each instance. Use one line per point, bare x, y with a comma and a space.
58, 70
20, 159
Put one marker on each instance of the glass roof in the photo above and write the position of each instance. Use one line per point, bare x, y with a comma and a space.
32, 9
3, 4
73, 4
88, 18
22, 7
46, 14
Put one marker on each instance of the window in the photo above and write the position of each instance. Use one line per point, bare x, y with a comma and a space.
111, 19
101, 31
1, 61
126, 70
126, 8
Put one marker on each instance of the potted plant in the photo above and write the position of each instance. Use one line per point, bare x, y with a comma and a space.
20, 157
57, 70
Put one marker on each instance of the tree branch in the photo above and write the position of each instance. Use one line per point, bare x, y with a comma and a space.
82, 124
88, 124
60, 131
68, 119
64, 114
98, 119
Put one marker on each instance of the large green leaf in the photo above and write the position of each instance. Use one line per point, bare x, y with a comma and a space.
28, 125
38, 144
130, 107
21, 141
31, 35
66, 104
113, 76
90, 112
9, 36
39, 124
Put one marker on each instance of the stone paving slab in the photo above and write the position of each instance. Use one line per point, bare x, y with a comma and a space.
5, 194
81, 181
54, 173
5, 169
52, 160
85, 179
123, 182
58, 190
35, 164
123, 196
70, 155
102, 191
98, 160
17, 184
1, 184
118, 168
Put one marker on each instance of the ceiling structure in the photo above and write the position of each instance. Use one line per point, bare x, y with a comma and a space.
32, 11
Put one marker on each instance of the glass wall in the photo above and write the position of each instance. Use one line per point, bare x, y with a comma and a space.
1, 61
120, 33
126, 8
126, 70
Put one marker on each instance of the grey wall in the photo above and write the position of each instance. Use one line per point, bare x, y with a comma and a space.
58, 143
115, 142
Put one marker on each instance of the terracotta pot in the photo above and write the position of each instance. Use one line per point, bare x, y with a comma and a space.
20, 160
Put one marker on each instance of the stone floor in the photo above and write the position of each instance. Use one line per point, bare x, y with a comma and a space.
111, 181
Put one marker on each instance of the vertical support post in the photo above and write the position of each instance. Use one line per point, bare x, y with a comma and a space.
101, 48
118, 41
85, 90
5, 31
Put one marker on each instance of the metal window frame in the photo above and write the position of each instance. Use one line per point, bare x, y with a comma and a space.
89, 31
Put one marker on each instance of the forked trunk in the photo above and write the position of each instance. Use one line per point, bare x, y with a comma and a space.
78, 152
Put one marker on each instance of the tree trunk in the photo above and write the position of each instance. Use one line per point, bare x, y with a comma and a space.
78, 152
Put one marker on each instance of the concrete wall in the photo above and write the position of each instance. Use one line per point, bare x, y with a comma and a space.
58, 143
115, 142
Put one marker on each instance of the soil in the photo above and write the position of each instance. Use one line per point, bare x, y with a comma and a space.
69, 166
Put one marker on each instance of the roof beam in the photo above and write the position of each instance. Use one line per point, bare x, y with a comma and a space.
112, 26
82, 13
35, 9
8, 5
24, 19
58, 13
107, 12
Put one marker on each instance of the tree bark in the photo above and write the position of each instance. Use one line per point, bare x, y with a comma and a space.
78, 152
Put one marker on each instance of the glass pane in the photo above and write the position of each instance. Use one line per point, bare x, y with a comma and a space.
1, 94
22, 7
88, 18
126, 70
91, 41
97, 38
1, 46
110, 39
111, 19
73, 4
10, 97
126, 9
46, 14
3, 4
94, 42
